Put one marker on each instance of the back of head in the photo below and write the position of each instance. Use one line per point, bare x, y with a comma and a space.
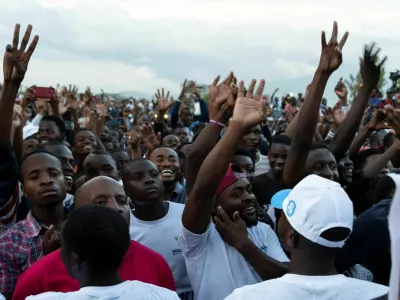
95, 238
320, 214
384, 189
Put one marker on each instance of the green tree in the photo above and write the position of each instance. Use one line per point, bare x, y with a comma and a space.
353, 83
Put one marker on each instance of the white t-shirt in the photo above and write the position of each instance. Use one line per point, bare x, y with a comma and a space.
291, 286
215, 269
162, 237
124, 291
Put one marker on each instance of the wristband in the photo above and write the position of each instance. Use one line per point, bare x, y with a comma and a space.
218, 123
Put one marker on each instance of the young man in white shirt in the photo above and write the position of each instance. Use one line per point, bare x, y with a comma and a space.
316, 220
217, 265
94, 241
156, 223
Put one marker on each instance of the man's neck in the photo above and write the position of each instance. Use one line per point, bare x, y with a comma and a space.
311, 265
151, 212
169, 189
50, 215
98, 280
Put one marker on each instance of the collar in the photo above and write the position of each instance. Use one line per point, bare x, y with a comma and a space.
178, 188
33, 226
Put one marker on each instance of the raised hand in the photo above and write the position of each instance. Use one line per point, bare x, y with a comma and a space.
221, 94
193, 88
370, 69
29, 97
15, 62
250, 110
132, 138
183, 90
377, 121
150, 139
338, 114
163, 104
331, 55
233, 232
341, 90
51, 241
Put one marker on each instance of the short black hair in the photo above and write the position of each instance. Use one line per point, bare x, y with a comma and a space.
281, 139
57, 120
179, 126
383, 189
318, 145
181, 145
160, 147
78, 130
129, 165
98, 152
31, 137
34, 152
98, 235
361, 157
244, 152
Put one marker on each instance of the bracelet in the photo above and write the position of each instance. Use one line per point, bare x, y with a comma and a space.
218, 123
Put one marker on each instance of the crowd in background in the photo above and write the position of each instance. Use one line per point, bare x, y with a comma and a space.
244, 196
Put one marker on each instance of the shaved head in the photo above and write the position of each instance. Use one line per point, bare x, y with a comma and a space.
103, 190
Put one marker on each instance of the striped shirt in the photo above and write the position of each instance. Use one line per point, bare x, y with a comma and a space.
262, 164
20, 247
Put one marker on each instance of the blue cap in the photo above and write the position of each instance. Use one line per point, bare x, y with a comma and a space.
279, 197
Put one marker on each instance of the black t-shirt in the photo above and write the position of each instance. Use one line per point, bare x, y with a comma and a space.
264, 188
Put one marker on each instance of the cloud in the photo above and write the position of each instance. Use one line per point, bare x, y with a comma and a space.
130, 45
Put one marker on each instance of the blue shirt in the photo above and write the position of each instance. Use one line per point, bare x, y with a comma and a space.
179, 194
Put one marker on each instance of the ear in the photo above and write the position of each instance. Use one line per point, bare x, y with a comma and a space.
23, 190
75, 266
289, 238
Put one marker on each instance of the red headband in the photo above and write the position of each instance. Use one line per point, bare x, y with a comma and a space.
230, 178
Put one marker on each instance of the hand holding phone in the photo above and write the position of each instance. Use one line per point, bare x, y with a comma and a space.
43, 92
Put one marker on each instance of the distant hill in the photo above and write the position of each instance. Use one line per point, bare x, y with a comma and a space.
134, 94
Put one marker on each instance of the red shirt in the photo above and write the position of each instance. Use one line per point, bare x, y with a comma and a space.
49, 274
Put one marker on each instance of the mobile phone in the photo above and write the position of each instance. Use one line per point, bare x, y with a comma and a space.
43, 92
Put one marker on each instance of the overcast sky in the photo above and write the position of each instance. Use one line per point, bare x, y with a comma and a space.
123, 45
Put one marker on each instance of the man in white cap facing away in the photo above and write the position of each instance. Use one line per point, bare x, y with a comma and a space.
317, 218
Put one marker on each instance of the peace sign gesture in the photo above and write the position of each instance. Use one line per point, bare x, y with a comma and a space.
331, 55
15, 62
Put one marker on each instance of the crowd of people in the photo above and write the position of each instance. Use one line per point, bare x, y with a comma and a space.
240, 197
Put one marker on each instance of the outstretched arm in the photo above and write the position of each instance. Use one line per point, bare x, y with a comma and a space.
248, 111
370, 72
331, 59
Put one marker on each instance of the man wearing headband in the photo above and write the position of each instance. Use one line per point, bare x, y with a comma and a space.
237, 250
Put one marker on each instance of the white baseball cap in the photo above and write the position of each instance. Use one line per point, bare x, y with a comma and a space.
315, 205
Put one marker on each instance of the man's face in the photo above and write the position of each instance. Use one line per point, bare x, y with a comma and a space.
167, 162
183, 134
143, 183
171, 141
186, 117
28, 146
345, 168
100, 165
105, 132
109, 146
107, 192
245, 163
321, 162
48, 131
67, 162
277, 156
252, 139
84, 142
239, 197
122, 159
43, 180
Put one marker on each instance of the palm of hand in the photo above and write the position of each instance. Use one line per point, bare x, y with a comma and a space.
331, 59
249, 111
163, 104
339, 116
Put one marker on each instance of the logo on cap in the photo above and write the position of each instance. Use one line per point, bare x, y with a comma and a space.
290, 208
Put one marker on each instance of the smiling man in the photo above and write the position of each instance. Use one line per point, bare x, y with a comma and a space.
167, 162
